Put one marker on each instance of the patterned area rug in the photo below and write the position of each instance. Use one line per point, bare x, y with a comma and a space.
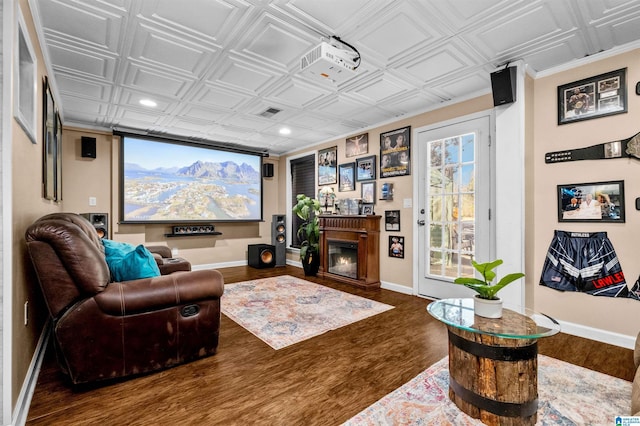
567, 395
285, 310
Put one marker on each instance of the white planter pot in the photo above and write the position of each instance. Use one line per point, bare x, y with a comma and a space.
487, 308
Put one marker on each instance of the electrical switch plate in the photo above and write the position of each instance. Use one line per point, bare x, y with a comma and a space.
406, 203
92, 201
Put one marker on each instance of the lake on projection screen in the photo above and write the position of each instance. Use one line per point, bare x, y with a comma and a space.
174, 182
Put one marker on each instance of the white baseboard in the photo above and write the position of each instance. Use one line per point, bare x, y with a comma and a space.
598, 335
219, 265
29, 385
396, 287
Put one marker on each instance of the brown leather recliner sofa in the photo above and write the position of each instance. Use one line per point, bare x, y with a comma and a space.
105, 330
166, 262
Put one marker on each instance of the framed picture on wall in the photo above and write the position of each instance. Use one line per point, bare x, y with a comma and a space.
395, 153
593, 97
357, 145
392, 220
49, 142
346, 177
591, 202
368, 193
328, 166
366, 168
396, 246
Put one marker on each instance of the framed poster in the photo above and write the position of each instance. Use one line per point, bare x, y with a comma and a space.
327, 166
366, 168
368, 194
357, 145
395, 153
346, 178
591, 202
367, 209
594, 97
392, 220
58, 157
396, 246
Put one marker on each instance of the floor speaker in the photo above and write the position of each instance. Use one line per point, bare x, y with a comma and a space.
100, 221
279, 238
503, 85
261, 256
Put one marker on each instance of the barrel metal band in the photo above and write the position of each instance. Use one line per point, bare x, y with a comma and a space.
499, 408
520, 353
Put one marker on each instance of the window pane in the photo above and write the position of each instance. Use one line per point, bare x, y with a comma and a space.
435, 153
435, 181
435, 209
468, 153
435, 235
452, 147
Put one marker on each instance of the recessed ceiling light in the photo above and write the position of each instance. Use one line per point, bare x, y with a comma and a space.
285, 131
148, 102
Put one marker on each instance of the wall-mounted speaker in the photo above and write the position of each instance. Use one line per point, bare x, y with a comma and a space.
503, 85
279, 238
267, 170
261, 256
100, 221
88, 147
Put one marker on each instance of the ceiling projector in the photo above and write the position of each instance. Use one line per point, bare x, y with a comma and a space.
330, 63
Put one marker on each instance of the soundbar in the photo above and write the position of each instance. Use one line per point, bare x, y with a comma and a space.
617, 149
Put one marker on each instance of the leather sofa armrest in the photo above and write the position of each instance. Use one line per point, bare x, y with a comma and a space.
163, 251
150, 294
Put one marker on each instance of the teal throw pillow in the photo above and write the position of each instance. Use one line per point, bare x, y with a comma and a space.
128, 262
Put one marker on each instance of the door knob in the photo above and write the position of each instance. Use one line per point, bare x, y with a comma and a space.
421, 222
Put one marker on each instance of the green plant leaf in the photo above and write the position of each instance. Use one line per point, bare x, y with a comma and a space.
484, 288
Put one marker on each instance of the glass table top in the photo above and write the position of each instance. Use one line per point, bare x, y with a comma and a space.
516, 323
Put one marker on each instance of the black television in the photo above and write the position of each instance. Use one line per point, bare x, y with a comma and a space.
171, 181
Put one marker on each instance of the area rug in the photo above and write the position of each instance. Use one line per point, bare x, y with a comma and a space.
285, 310
567, 395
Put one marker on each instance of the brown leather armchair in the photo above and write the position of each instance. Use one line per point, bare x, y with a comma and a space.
166, 262
105, 330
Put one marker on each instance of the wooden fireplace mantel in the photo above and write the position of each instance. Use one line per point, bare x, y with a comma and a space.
363, 230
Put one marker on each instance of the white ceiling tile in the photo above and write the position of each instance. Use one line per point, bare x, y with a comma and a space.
153, 81
75, 61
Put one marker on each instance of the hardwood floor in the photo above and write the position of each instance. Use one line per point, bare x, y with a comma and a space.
322, 381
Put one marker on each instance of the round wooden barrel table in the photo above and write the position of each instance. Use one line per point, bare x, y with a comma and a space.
493, 362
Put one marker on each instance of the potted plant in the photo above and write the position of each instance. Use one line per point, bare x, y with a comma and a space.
308, 209
486, 303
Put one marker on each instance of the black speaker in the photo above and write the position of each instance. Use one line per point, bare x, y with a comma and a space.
279, 238
100, 221
261, 256
503, 85
267, 170
88, 149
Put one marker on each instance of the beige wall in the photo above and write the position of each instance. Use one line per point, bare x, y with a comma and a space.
393, 270
99, 178
613, 314
28, 205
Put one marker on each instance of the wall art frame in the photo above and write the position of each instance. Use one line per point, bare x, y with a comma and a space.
395, 153
49, 142
392, 220
346, 177
593, 97
357, 145
367, 209
26, 81
396, 246
368, 192
366, 168
328, 166
591, 202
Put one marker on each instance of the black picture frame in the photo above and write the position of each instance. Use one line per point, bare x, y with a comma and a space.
396, 246
594, 97
58, 157
368, 192
591, 202
346, 177
328, 166
395, 153
357, 145
366, 168
392, 220
49, 142
367, 209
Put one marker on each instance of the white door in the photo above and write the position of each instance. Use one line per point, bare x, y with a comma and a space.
454, 205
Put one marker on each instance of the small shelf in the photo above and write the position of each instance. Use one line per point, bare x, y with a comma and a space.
194, 234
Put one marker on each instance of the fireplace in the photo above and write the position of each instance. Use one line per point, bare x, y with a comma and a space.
350, 249
343, 258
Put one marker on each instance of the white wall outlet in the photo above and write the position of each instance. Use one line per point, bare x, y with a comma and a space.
407, 203
26, 313
92, 201
174, 252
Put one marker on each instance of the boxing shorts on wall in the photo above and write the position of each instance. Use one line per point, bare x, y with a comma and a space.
584, 262
634, 293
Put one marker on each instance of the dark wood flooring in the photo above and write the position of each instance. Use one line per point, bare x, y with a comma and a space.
322, 381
